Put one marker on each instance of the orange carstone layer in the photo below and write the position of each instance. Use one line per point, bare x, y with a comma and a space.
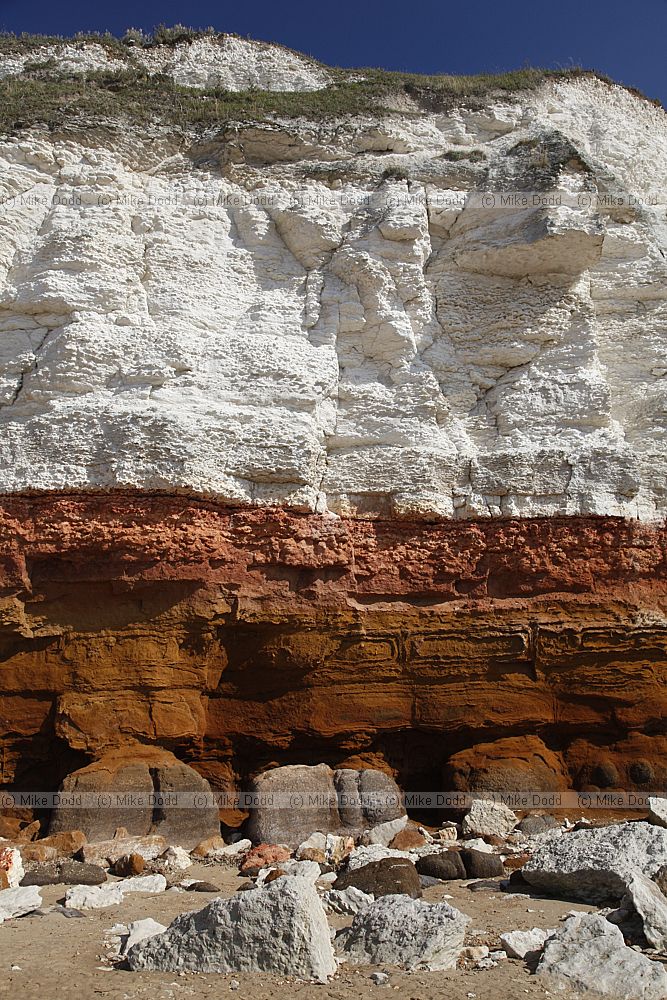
239, 638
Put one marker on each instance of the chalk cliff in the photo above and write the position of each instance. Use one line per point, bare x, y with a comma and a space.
335, 438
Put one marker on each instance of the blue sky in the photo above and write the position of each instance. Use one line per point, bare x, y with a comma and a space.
626, 40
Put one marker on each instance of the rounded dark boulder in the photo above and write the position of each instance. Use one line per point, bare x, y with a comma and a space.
445, 865
531, 826
387, 877
481, 865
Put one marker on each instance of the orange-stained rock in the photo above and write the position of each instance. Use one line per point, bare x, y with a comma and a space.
10, 827
206, 848
262, 856
60, 845
39, 851
408, 838
639, 761
243, 639
66, 842
272, 876
129, 864
29, 832
4, 880
518, 763
106, 853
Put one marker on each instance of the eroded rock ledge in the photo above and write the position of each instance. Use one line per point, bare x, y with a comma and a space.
243, 638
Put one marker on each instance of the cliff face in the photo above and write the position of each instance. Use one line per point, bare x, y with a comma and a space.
240, 639
364, 423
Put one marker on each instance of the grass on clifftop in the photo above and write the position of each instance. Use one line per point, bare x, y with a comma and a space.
43, 94
58, 100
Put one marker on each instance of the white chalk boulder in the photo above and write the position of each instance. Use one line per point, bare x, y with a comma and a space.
589, 954
486, 818
280, 929
647, 900
598, 864
18, 901
403, 931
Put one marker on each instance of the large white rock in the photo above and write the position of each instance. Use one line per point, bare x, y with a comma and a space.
597, 864
309, 870
176, 859
280, 929
140, 930
230, 851
518, 944
486, 818
93, 897
657, 811
384, 833
347, 901
477, 844
143, 883
18, 901
589, 954
648, 901
97, 897
403, 931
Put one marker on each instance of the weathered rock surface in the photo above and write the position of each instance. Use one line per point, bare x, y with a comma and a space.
239, 935
129, 864
262, 856
144, 883
648, 901
402, 931
444, 865
153, 776
67, 843
64, 873
479, 864
96, 897
107, 853
344, 799
588, 954
209, 846
11, 865
611, 575
514, 764
407, 840
365, 854
384, 833
521, 944
657, 812
381, 878
225, 61
488, 818
534, 826
17, 901
597, 864
140, 930
309, 870
347, 901
454, 418
660, 879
